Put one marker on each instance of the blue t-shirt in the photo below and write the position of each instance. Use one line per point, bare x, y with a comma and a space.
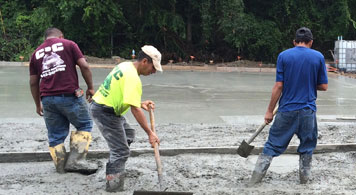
300, 69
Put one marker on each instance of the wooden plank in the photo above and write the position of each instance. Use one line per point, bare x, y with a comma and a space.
12, 157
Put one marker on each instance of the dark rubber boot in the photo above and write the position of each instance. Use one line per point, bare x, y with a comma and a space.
262, 164
58, 154
79, 144
304, 168
115, 182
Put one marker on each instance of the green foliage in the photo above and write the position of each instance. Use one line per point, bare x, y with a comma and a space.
218, 29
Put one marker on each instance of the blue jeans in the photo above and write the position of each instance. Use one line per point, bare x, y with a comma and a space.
286, 124
60, 111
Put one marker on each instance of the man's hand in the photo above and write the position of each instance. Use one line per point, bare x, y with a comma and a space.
268, 117
86, 73
145, 105
141, 119
276, 94
39, 110
153, 139
89, 94
35, 91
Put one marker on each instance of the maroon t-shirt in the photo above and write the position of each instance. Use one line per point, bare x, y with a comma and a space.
54, 61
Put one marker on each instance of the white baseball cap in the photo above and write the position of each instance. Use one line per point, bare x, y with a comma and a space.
154, 54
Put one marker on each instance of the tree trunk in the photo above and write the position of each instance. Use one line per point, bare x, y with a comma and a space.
189, 24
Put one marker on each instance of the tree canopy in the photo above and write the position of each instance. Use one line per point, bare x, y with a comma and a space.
207, 29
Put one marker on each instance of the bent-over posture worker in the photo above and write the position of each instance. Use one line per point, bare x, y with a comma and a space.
301, 72
120, 91
58, 98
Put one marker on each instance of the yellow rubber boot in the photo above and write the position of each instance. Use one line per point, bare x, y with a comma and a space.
79, 144
58, 154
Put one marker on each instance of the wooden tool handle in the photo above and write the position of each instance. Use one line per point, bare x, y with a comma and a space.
155, 146
152, 118
260, 128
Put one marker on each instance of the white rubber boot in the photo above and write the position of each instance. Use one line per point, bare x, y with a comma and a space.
262, 164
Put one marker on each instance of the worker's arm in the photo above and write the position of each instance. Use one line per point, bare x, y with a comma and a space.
35, 91
276, 94
322, 87
86, 73
141, 119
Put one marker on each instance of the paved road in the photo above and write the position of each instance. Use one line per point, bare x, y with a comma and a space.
188, 97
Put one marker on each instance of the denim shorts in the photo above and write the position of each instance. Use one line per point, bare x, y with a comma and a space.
60, 111
300, 122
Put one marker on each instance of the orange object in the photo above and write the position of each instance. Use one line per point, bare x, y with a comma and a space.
331, 69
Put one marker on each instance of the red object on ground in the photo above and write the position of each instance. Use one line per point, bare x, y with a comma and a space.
330, 68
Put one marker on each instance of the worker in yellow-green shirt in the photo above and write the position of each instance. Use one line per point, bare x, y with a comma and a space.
120, 91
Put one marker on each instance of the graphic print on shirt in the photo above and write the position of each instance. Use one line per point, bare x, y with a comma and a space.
105, 87
51, 62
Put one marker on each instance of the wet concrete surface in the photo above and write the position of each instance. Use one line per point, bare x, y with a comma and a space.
193, 109
333, 173
189, 97
31, 136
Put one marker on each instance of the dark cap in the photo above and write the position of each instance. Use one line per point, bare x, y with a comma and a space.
304, 33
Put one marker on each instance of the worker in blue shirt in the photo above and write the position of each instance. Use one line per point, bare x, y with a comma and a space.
300, 73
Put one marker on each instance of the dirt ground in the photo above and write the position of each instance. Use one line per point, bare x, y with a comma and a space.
240, 63
333, 173
348, 74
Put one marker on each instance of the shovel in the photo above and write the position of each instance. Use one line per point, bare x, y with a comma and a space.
245, 148
159, 167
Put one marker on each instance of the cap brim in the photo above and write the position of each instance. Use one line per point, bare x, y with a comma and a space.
157, 66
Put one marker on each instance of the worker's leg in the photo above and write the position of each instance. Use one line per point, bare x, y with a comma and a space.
76, 110
280, 134
116, 139
308, 135
58, 129
130, 132
112, 129
262, 164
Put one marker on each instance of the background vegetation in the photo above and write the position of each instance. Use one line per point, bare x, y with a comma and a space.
208, 29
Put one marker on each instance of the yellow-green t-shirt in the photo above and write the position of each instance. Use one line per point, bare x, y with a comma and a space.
121, 89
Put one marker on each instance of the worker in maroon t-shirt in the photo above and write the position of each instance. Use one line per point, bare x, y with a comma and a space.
55, 90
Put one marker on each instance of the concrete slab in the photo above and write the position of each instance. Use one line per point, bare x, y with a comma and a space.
189, 97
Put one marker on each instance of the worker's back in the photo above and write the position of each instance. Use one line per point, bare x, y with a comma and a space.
300, 69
